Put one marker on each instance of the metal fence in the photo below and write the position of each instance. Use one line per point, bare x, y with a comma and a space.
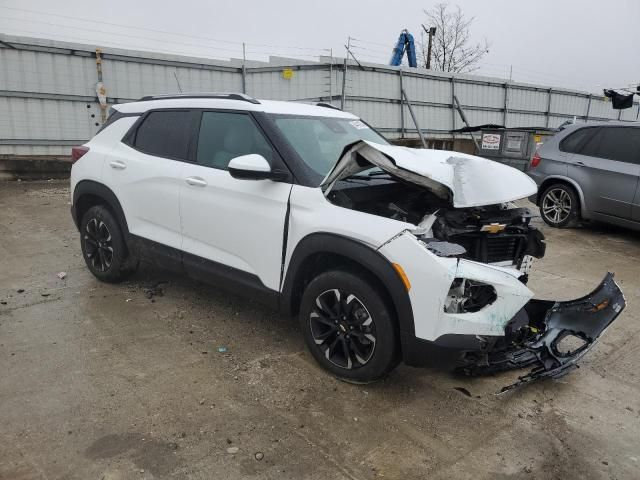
48, 98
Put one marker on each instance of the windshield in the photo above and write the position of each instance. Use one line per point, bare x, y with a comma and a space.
319, 141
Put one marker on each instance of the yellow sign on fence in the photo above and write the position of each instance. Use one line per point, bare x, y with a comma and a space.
287, 73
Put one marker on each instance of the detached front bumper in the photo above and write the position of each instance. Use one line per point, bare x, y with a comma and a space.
546, 336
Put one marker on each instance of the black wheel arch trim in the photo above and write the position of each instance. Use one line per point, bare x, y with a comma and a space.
368, 258
97, 189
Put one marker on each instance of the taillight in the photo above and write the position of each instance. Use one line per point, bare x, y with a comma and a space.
78, 152
535, 160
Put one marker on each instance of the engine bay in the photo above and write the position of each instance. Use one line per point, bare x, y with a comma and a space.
498, 234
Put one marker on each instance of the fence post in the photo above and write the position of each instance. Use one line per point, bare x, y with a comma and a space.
453, 108
549, 93
586, 117
331, 77
344, 85
244, 69
402, 134
505, 117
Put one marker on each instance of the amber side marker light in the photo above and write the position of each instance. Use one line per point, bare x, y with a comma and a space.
403, 276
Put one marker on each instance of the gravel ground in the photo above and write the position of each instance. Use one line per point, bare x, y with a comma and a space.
129, 381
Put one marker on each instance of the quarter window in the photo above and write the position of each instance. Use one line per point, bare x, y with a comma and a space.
573, 142
226, 135
165, 134
615, 143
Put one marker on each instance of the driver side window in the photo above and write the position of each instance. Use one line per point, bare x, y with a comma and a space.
226, 135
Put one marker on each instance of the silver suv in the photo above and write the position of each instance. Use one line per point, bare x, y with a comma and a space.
589, 171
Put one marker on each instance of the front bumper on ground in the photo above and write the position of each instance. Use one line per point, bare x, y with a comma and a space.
547, 336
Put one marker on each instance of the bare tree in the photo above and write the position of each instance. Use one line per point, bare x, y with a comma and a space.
452, 50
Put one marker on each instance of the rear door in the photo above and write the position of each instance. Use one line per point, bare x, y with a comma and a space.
145, 173
607, 169
231, 222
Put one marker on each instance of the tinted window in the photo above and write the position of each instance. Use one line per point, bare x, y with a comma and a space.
165, 134
621, 143
572, 143
226, 135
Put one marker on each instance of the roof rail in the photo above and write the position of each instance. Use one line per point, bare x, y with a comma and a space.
327, 105
227, 96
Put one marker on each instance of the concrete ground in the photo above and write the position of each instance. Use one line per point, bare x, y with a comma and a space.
100, 382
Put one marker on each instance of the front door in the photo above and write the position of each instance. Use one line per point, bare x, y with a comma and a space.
607, 170
230, 222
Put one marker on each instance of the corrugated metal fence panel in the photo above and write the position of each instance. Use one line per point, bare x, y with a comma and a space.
491, 96
41, 72
515, 119
373, 84
31, 150
527, 99
68, 74
305, 84
601, 107
569, 104
382, 115
131, 80
631, 114
427, 90
37, 119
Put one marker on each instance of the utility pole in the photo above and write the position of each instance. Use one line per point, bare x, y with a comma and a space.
431, 32
344, 75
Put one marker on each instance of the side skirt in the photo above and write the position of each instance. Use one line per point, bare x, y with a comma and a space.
204, 270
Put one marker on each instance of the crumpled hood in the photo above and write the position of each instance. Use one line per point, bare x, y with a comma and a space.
466, 180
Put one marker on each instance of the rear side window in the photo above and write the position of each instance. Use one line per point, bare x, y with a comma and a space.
226, 135
573, 142
164, 134
615, 143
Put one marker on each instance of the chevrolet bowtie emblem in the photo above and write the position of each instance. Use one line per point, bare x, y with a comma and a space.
493, 227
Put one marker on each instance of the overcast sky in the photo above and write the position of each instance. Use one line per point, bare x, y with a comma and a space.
582, 44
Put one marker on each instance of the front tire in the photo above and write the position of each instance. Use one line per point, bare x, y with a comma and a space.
348, 327
559, 206
103, 247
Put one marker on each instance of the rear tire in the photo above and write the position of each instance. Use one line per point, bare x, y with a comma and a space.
348, 327
559, 206
103, 246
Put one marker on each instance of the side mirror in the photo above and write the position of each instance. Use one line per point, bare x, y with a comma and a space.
252, 167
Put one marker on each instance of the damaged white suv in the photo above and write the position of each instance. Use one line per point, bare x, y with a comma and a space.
385, 253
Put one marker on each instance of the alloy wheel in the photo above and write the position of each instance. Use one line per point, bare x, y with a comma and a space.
98, 245
343, 329
556, 205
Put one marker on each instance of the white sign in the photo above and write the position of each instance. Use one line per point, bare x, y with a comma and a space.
359, 125
101, 92
490, 141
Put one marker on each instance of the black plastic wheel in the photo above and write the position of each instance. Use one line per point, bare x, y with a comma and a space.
559, 206
348, 327
103, 246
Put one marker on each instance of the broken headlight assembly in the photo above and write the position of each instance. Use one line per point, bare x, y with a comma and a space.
469, 296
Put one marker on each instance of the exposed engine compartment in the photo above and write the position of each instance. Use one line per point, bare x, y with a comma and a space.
488, 234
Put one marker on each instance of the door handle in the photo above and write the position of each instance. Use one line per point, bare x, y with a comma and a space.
580, 164
196, 181
118, 165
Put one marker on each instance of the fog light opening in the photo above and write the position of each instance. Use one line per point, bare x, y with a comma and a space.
568, 344
468, 296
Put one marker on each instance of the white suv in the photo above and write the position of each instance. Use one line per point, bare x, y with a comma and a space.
385, 253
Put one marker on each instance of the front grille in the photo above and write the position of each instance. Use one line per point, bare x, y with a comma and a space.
491, 247
500, 249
